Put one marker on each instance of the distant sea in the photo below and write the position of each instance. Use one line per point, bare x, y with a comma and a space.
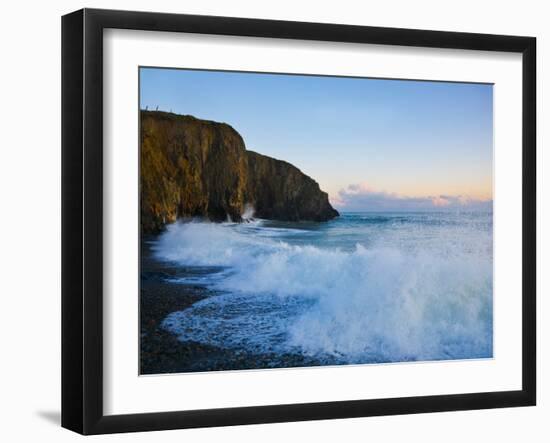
362, 288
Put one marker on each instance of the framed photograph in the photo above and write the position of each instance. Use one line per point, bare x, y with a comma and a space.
269, 221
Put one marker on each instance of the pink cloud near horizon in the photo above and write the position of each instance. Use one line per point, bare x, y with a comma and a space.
361, 197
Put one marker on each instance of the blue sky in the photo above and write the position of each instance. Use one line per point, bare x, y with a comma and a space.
369, 143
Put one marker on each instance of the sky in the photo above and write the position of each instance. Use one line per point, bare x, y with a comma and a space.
372, 144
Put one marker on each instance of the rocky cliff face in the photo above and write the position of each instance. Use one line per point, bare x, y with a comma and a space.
191, 167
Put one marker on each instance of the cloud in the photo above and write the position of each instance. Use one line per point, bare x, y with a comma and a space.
361, 197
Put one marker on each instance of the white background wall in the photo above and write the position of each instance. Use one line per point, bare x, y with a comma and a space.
30, 218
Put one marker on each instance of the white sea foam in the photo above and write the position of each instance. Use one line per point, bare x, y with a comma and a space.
407, 292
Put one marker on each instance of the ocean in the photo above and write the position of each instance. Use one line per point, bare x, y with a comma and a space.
362, 288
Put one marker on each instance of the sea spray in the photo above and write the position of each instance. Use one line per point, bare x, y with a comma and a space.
248, 213
360, 289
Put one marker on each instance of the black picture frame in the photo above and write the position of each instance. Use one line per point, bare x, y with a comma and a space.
82, 219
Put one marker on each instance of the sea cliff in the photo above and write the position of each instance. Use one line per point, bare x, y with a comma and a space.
191, 167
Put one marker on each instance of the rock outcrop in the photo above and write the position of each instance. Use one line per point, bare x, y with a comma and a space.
191, 167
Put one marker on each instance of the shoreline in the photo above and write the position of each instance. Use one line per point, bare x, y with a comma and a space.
162, 352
